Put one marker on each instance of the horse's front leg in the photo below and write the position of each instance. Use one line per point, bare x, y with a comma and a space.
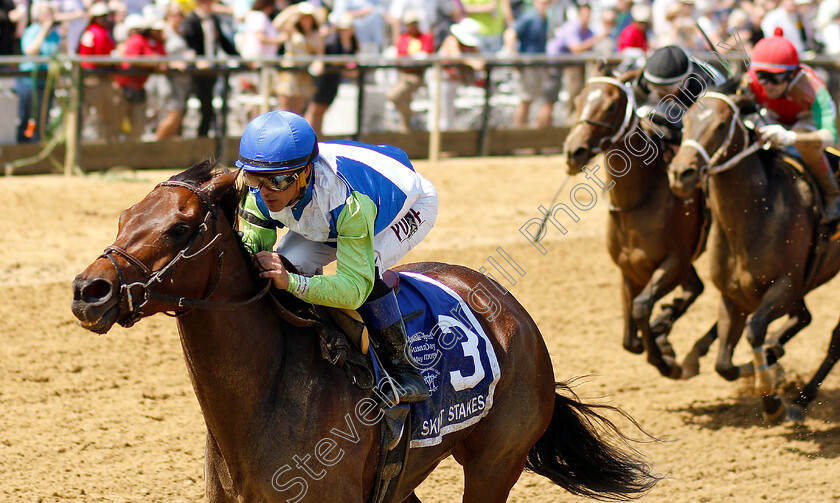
664, 279
730, 326
691, 364
799, 319
216, 475
691, 289
779, 299
631, 340
809, 392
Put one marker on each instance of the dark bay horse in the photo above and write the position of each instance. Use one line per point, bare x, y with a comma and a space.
761, 244
653, 236
271, 402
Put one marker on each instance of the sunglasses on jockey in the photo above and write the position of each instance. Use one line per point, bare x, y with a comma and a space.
278, 182
774, 78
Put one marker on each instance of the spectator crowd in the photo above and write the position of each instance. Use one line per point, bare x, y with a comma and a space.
152, 98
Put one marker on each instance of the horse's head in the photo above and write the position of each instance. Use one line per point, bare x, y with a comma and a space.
708, 138
605, 110
164, 245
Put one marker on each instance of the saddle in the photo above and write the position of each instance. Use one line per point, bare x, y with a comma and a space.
337, 328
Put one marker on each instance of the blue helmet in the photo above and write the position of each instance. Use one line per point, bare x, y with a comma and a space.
277, 141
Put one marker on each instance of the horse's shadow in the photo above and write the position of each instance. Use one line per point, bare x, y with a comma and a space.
740, 412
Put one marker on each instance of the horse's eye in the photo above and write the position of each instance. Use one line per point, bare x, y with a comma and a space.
178, 230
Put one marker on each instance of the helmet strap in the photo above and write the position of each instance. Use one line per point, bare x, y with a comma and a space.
302, 183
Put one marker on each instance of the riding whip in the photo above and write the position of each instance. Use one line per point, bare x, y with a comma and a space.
545, 218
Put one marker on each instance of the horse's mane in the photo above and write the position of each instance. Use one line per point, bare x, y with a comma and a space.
204, 171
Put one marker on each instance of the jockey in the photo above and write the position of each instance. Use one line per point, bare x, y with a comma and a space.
671, 82
361, 205
801, 107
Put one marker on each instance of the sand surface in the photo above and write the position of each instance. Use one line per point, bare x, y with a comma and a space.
114, 418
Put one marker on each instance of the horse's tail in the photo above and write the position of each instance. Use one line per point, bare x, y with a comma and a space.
574, 454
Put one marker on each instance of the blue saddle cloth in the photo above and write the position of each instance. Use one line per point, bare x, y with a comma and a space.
454, 354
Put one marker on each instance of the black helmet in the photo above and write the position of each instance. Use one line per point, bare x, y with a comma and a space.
667, 65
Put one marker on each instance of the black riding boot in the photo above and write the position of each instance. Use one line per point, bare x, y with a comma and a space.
387, 331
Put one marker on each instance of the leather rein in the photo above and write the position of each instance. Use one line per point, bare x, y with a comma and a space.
134, 296
629, 118
713, 164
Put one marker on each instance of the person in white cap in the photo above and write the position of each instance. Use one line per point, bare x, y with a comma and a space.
300, 25
99, 92
143, 42
426, 12
463, 39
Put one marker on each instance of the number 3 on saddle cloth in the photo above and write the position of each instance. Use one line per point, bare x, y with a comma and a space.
453, 353
458, 363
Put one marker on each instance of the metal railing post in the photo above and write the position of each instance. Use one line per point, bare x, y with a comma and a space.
71, 121
483, 135
265, 86
360, 102
434, 131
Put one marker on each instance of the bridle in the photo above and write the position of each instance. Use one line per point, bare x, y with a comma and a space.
134, 296
711, 167
629, 120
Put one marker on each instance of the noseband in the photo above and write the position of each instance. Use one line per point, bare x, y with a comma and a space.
134, 296
711, 167
629, 121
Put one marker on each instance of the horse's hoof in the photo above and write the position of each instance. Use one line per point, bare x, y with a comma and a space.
774, 410
690, 369
796, 414
635, 347
676, 373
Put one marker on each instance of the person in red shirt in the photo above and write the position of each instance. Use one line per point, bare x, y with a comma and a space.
145, 41
99, 91
634, 35
413, 44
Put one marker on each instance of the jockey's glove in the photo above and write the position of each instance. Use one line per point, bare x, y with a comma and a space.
777, 135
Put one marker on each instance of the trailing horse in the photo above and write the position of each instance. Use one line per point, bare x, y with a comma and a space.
271, 401
653, 236
766, 248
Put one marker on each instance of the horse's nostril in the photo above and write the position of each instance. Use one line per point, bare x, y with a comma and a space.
580, 154
94, 291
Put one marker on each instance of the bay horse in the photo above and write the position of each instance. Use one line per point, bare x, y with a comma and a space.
761, 242
270, 399
653, 236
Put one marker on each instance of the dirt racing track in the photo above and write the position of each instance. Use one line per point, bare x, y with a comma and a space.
113, 418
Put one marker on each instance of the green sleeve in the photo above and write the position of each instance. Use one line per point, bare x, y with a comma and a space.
825, 114
258, 233
352, 282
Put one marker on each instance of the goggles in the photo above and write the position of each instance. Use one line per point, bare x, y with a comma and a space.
273, 182
772, 78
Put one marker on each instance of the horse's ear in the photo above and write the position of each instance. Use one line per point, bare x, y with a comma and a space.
601, 68
220, 184
746, 104
630, 75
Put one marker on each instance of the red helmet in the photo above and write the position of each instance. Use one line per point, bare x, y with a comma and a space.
775, 54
